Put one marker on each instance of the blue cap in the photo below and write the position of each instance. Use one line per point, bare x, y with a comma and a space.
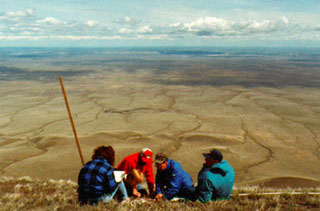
214, 154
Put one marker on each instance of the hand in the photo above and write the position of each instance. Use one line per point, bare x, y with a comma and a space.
158, 196
152, 192
136, 193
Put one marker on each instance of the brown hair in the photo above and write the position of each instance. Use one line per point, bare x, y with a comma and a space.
161, 158
135, 177
105, 151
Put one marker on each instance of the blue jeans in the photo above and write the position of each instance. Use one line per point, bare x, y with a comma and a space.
108, 197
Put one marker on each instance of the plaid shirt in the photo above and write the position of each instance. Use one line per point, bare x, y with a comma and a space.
96, 179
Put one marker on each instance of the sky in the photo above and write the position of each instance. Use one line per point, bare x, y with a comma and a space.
112, 23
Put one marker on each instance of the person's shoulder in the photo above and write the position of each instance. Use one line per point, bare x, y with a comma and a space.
175, 165
204, 170
172, 162
102, 161
225, 165
205, 173
130, 158
87, 163
228, 168
98, 163
98, 160
225, 162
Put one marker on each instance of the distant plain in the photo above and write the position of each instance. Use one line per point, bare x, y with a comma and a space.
260, 107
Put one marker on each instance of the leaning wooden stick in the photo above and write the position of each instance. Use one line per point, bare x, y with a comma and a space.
71, 120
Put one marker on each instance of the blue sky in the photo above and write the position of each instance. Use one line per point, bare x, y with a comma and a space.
105, 23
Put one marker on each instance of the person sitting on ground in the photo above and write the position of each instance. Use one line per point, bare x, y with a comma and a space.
142, 161
216, 178
171, 180
96, 179
133, 179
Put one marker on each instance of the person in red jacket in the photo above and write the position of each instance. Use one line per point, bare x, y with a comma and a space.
143, 161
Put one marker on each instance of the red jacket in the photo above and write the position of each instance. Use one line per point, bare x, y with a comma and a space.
133, 162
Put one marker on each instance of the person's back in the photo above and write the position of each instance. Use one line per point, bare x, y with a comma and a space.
221, 180
216, 178
93, 181
175, 169
96, 179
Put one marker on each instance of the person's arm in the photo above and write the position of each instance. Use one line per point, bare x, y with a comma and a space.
149, 177
205, 190
159, 183
135, 192
175, 183
159, 187
110, 180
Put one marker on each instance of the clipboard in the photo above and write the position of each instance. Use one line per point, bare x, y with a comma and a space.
119, 175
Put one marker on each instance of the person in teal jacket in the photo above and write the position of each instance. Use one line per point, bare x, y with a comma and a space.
216, 178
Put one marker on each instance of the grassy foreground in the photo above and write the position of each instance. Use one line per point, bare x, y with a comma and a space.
27, 194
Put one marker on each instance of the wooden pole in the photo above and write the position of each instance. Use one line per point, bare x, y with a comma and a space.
71, 120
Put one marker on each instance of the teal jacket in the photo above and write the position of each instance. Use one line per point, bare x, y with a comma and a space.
215, 182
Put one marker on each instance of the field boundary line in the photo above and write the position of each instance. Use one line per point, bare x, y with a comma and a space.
276, 193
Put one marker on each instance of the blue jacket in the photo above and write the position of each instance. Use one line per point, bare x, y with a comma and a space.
215, 182
174, 178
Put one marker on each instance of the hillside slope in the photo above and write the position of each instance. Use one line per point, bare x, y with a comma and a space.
27, 194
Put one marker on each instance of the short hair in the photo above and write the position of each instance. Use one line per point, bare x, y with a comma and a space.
161, 158
105, 151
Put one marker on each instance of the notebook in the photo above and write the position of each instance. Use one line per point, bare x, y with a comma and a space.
119, 175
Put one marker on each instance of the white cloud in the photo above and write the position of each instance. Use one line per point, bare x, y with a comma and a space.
125, 31
285, 20
208, 23
153, 37
26, 33
145, 30
22, 37
58, 37
212, 26
49, 20
16, 16
91, 23
126, 21
24, 25
30, 11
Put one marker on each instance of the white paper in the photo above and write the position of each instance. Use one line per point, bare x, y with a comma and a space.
118, 175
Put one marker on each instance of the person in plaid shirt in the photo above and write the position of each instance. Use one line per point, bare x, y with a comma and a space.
96, 179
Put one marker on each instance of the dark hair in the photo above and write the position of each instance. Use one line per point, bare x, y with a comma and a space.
161, 158
105, 151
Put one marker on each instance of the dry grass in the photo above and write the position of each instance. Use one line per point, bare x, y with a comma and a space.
27, 194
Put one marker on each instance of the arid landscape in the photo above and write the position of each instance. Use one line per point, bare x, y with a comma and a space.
262, 113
